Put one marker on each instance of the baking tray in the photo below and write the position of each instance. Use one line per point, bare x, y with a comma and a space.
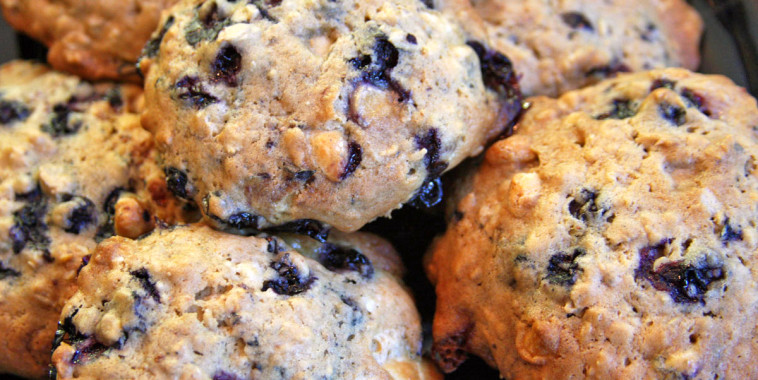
728, 47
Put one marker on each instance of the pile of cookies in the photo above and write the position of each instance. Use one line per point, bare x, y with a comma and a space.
191, 199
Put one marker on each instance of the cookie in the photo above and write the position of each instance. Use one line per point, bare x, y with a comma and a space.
291, 112
70, 152
193, 302
559, 46
93, 39
612, 236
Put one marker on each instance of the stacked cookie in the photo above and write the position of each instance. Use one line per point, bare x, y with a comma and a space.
610, 236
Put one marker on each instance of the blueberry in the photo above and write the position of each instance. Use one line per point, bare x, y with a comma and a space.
191, 91
82, 216
337, 258
577, 20
176, 181
289, 281
8, 272
685, 282
145, 280
244, 220
675, 115
86, 347
696, 100
114, 98
61, 123
429, 3
411, 39
562, 269
273, 245
223, 375
151, 47
226, 65
584, 207
428, 195
499, 76
433, 145
728, 233
662, 83
376, 68
607, 71
304, 175
29, 227
621, 109
354, 158
12, 111
308, 227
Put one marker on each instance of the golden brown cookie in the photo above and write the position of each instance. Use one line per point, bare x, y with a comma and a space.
192, 302
270, 114
612, 236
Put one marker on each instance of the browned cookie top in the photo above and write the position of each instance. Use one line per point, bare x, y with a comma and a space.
612, 236
275, 112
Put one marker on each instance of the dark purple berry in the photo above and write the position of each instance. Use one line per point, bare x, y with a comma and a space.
12, 111
86, 347
377, 66
7, 272
190, 90
411, 39
607, 71
244, 220
176, 181
114, 98
577, 20
428, 195
696, 100
145, 280
429, 3
433, 145
685, 282
562, 269
336, 258
289, 281
85, 261
621, 109
662, 83
304, 175
223, 375
354, 158
226, 66
729, 233
309, 227
82, 216
29, 227
273, 245
584, 207
151, 47
499, 76
676, 115
61, 123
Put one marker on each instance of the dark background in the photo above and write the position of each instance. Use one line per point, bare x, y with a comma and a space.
730, 51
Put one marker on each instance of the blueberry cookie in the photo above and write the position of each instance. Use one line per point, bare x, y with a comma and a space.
70, 155
558, 46
192, 302
285, 112
98, 39
612, 236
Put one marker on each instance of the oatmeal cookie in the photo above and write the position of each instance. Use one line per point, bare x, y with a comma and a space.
98, 39
70, 152
612, 236
193, 302
269, 113
558, 46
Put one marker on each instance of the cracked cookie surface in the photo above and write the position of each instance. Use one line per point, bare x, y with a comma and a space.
75, 167
612, 236
557, 46
192, 302
274, 112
